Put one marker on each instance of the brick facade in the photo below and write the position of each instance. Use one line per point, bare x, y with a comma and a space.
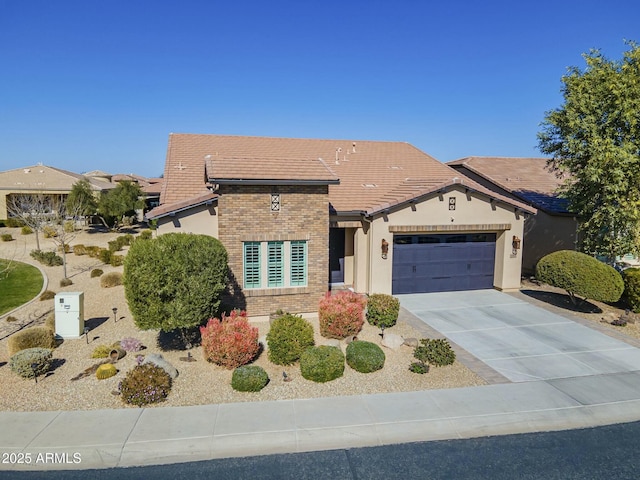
245, 215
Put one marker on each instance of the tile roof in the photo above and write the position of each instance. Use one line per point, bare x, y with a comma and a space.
372, 175
44, 178
527, 178
166, 209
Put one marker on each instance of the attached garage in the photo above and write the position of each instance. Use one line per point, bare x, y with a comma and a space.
443, 262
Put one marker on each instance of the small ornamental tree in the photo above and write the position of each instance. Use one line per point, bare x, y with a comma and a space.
230, 342
581, 276
341, 315
175, 281
382, 310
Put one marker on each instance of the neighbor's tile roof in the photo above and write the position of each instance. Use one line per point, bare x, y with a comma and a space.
373, 175
166, 209
43, 178
526, 178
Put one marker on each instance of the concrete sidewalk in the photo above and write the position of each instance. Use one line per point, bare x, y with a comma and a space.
132, 437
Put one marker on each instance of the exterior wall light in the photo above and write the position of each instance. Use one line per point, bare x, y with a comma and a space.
385, 248
515, 244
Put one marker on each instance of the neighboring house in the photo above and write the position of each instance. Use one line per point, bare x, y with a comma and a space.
41, 179
527, 180
298, 215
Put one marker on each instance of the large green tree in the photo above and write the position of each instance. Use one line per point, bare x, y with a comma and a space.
175, 281
81, 198
121, 201
594, 141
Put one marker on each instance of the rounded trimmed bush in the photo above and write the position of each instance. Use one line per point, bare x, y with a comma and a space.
111, 279
65, 282
289, 336
365, 357
145, 384
31, 361
382, 310
249, 378
106, 370
341, 315
580, 275
631, 278
322, 364
47, 295
40, 337
96, 272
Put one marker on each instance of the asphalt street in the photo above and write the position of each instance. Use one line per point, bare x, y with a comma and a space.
608, 452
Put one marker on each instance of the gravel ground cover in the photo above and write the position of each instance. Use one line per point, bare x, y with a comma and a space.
199, 382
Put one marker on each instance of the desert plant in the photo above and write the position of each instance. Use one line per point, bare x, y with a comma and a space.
631, 277
106, 370
33, 337
382, 310
145, 384
49, 232
69, 226
11, 319
175, 281
130, 344
66, 248
79, 250
230, 341
104, 255
159, 361
436, 352
50, 322
364, 357
6, 237
47, 295
65, 282
31, 362
115, 245
96, 272
322, 364
249, 378
14, 222
341, 315
581, 276
111, 279
288, 336
101, 351
50, 259
93, 251
419, 367
26, 230
145, 235
116, 260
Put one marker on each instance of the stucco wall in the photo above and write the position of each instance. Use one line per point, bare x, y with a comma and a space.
471, 210
200, 220
543, 234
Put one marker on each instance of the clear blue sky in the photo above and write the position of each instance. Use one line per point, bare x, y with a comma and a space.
95, 84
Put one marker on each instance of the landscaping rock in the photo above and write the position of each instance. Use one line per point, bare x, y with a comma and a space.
333, 342
392, 341
159, 361
411, 342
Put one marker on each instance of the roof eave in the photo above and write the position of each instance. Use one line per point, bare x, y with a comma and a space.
243, 181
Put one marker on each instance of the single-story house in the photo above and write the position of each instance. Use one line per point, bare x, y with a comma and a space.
527, 180
42, 179
299, 216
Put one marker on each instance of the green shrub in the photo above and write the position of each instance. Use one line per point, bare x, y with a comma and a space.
66, 248
11, 319
288, 336
14, 222
79, 250
382, 310
47, 295
96, 272
50, 322
26, 230
69, 226
33, 337
419, 367
341, 315
104, 255
631, 277
111, 279
322, 364
249, 378
50, 259
145, 235
580, 275
49, 232
101, 351
436, 352
145, 384
175, 280
6, 237
31, 361
106, 370
126, 239
365, 357
117, 260
65, 282
93, 251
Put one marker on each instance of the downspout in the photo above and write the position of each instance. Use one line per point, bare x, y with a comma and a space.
369, 266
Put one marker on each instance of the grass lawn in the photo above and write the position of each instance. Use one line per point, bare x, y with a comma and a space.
18, 285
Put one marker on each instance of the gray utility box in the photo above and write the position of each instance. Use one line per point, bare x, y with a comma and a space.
69, 311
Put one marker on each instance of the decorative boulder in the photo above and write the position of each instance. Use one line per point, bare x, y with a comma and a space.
159, 361
411, 342
392, 341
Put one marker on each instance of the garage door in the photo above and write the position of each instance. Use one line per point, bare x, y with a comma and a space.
441, 263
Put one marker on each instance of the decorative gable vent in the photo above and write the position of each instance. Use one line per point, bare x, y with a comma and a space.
275, 202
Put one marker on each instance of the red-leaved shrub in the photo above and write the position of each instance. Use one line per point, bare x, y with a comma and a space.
230, 342
341, 315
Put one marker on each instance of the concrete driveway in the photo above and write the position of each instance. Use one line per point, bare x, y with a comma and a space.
519, 340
